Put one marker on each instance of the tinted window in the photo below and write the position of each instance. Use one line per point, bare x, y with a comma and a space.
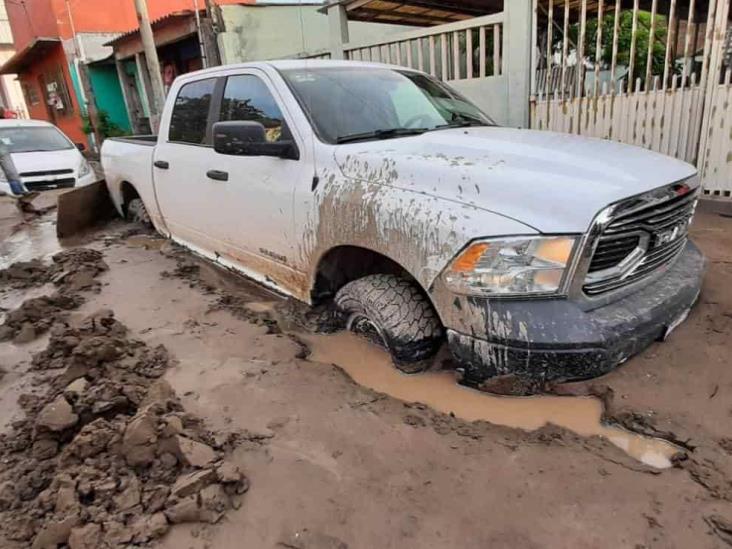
190, 113
246, 97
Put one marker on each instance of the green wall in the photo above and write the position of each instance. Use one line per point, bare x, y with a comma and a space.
108, 94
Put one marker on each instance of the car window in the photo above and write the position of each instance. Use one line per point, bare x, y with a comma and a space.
189, 120
34, 139
247, 98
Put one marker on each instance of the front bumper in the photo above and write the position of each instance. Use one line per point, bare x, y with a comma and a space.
558, 339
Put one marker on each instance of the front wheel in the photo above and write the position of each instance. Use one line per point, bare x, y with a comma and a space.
391, 311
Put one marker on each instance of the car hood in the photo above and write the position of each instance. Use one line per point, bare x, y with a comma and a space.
67, 159
553, 182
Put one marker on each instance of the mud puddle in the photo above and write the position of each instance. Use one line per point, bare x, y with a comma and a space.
34, 240
146, 242
371, 367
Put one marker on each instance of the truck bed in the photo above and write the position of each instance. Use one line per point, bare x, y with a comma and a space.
127, 163
147, 140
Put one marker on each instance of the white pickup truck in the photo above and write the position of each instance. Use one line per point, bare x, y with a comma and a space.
538, 255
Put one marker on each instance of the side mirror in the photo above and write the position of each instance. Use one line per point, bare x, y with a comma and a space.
81, 146
244, 138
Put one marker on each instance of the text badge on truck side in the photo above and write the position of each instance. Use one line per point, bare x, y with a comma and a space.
547, 256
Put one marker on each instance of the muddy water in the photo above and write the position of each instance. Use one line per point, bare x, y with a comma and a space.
34, 240
370, 366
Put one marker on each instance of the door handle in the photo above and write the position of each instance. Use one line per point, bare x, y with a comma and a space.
218, 175
162, 164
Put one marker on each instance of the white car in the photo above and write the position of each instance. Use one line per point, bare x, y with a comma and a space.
44, 156
540, 255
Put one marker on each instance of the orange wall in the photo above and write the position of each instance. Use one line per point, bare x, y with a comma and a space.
31, 19
72, 122
50, 18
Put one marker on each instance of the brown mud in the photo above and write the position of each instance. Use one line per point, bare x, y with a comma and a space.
105, 454
338, 464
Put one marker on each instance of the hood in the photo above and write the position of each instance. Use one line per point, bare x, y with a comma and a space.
553, 182
67, 159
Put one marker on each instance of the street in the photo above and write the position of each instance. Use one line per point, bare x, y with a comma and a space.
335, 444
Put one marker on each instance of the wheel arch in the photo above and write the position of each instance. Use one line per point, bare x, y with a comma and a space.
345, 263
127, 193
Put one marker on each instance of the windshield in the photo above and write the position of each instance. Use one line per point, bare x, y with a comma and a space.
359, 103
30, 139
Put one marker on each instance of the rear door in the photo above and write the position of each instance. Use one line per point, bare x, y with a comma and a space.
188, 199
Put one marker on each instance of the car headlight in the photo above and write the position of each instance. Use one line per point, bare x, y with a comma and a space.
84, 168
511, 266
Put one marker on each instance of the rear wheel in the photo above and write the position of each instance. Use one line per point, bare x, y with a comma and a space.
137, 213
391, 311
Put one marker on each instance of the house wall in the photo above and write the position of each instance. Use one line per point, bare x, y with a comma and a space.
31, 19
70, 123
255, 33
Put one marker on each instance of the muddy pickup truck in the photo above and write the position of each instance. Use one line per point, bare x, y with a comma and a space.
378, 188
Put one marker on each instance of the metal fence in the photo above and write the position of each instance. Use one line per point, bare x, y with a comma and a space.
653, 74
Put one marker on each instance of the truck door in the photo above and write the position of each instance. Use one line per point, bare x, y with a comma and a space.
183, 191
255, 193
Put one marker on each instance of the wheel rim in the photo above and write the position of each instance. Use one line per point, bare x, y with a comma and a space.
363, 326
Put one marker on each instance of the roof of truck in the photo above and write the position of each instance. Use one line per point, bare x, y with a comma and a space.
285, 64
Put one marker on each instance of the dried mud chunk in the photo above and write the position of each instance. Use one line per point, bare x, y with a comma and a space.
57, 416
194, 453
214, 502
185, 510
191, 483
55, 532
138, 443
86, 537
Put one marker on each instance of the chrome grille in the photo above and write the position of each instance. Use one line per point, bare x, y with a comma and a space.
639, 240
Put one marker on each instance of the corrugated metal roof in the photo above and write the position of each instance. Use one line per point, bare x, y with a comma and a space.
38, 49
417, 12
184, 14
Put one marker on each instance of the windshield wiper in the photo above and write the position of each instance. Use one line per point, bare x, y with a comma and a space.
460, 120
381, 134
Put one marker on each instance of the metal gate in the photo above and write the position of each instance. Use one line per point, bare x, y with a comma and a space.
652, 73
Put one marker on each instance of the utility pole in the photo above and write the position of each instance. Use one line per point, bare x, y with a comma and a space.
153, 65
212, 26
86, 88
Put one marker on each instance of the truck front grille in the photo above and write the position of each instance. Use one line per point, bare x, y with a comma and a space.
640, 240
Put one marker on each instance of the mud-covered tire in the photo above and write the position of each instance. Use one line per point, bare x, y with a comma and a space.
137, 213
392, 311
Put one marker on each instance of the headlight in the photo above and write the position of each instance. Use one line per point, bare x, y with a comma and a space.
511, 266
84, 168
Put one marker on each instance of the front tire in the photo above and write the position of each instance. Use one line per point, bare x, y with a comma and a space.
393, 312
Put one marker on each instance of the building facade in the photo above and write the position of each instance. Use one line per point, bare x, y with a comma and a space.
64, 66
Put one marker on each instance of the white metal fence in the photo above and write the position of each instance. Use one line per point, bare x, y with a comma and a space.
657, 80
465, 50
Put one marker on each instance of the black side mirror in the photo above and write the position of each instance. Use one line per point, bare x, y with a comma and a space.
244, 138
81, 146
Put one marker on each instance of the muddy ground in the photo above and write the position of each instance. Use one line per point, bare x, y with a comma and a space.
334, 464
